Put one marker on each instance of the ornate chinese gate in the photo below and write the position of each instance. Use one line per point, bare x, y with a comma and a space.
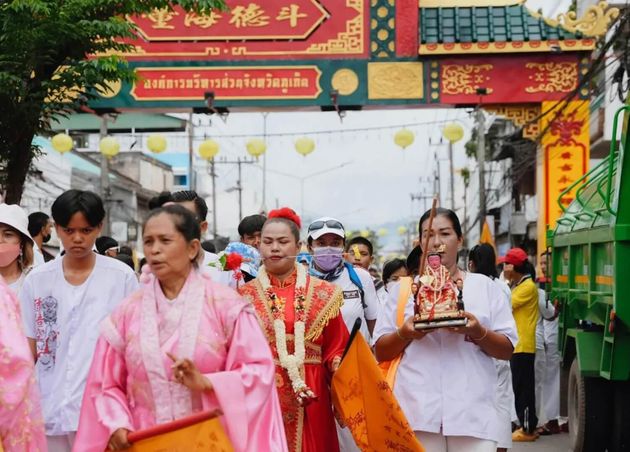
372, 53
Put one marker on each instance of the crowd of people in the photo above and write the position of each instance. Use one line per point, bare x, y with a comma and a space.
97, 343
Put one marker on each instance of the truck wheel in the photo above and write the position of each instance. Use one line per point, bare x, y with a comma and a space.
620, 439
589, 412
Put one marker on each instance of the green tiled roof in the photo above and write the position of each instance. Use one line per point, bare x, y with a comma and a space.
486, 24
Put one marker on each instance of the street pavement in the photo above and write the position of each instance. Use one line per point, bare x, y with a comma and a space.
553, 443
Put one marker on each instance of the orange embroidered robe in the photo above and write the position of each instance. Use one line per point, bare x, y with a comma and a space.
310, 428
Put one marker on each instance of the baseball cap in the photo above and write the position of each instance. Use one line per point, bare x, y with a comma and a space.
515, 256
14, 216
326, 225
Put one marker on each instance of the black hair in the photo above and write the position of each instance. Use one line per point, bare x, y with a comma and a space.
190, 195
448, 213
126, 250
184, 220
391, 267
142, 263
526, 268
104, 243
360, 241
126, 259
36, 222
74, 201
160, 200
484, 259
209, 246
251, 224
295, 231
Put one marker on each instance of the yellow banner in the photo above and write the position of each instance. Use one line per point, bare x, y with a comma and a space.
367, 405
203, 436
566, 153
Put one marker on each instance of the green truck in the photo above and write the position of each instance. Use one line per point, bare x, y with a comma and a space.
590, 265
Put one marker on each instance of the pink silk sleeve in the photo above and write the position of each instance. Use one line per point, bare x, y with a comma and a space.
104, 408
21, 424
246, 390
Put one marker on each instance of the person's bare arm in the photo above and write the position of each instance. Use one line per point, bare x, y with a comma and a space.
389, 346
493, 344
33, 346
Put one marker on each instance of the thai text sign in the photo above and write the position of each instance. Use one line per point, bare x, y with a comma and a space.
256, 82
566, 152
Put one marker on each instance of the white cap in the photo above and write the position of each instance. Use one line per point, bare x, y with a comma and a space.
326, 228
14, 216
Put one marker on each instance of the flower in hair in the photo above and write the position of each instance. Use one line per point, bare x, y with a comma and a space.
286, 213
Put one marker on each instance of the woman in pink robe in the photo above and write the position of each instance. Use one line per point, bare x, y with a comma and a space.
21, 422
180, 345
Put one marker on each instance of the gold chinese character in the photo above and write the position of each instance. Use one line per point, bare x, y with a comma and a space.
204, 21
292, 14
161, 18
250, 16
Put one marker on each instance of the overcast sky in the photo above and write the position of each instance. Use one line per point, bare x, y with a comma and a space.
375, 185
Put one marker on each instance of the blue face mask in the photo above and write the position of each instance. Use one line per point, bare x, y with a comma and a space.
327, 258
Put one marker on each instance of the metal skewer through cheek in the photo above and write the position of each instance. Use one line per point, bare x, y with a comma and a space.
425, 247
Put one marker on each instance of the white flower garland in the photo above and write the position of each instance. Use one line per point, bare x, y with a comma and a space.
292, 363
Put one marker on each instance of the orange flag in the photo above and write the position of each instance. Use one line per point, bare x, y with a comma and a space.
367, 405
486, 235
197, 433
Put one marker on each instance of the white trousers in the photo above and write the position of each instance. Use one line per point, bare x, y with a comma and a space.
505, 403
346, 441
61, 443
436, 442
551, 384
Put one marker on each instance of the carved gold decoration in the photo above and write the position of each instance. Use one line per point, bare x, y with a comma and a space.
464, 79
594, 22
350, 41
567, 45
466, 3
523, 115
395, 80
346, 81
553, 77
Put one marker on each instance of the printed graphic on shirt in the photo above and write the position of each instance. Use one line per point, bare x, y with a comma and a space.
46, 332
347, 294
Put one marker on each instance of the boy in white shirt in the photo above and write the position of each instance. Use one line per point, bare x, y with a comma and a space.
63, 303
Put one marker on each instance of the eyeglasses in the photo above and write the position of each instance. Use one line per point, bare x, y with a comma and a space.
333, 224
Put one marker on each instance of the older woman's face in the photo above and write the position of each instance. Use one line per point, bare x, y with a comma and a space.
442, 233
166, 249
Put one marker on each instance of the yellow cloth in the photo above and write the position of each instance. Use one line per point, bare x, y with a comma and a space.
525, 312
202, 436
367, 405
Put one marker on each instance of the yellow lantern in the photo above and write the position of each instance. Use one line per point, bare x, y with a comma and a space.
208, 149
156, 143
404, 138
109, 147
364, 233
62, 143
304, 146
453, 132
349, 233
402, 230
256, 147
382, 232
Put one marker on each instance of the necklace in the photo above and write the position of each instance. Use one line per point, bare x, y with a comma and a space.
292, 363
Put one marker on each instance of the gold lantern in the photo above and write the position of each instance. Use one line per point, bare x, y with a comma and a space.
256, 147
453, 132
404, 138
208, 149
156, 143
62, 143
109, 147
304, 146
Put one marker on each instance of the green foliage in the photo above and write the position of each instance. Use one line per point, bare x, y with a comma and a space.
465, 173
48, 66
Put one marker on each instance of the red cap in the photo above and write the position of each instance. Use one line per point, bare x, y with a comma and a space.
515, 256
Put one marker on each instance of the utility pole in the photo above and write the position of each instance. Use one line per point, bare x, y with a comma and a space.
481, 160
450, 159
192, 183
105, 190
239, 188
264, 190
213, 175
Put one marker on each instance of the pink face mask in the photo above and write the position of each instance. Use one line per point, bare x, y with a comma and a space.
8, 253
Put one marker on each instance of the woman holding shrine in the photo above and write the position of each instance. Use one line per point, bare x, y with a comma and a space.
300, 315
21, 422
446, 381
180, 345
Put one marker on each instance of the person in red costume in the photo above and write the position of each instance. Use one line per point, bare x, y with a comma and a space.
300, 316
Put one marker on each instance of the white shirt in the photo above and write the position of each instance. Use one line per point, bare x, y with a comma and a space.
353, 307
64, 320
445, 382
38, 256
